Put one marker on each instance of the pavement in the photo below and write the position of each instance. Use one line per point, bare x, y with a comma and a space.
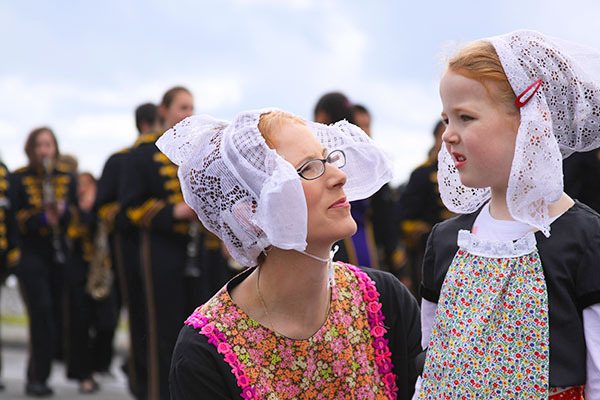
14, 336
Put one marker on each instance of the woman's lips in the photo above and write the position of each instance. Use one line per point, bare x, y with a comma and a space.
459, 160
341, 203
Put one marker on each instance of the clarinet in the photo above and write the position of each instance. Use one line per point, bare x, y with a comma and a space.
192, 263
50, 199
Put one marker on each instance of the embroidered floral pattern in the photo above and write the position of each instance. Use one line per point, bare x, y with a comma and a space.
490, 335
348, 357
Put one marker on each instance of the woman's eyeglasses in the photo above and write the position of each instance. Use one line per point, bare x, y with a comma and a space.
313, 169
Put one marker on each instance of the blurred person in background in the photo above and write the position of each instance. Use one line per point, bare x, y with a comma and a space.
101, 293
79, 311
420, 208
151, 197
45, 200
10, 253
391, 252
360, 249
582, 177
124, 249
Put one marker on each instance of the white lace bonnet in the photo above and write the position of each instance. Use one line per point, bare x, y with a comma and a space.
247, 194
560, 118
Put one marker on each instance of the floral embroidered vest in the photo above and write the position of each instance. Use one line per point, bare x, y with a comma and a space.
348, 357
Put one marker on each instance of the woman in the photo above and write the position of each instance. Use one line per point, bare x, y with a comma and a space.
297, 325
44, 200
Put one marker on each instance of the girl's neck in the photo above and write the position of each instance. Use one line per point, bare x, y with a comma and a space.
499, 207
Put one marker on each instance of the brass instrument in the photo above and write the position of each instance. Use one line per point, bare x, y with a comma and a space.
49, 199
100, 275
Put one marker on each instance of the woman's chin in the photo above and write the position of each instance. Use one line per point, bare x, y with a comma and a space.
336, 232
347, 229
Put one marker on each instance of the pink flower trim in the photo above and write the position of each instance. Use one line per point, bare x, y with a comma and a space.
218, 339
383, 356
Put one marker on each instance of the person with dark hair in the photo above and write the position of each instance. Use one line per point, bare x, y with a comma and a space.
123, 250
79, 309
362, 118
362, 248
101, 300
333, 107
150, 196
45, 200
419, 209
10, 252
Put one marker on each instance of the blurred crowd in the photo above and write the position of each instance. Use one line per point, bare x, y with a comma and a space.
83, 247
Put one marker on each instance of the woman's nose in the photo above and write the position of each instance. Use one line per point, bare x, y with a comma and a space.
337, 177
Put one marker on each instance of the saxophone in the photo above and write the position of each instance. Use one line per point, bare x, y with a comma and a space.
100, 275
49, 199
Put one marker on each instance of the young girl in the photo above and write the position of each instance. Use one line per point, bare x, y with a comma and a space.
511, 289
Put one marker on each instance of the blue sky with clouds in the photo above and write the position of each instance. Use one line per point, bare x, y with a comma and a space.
82, 67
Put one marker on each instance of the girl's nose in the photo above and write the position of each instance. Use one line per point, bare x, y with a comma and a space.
449, 135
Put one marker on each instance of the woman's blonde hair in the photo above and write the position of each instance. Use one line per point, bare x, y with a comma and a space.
480, 61
269, 123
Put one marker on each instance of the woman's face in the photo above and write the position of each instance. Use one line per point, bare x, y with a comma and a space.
329, 218
480, 132
45, 147
180, 108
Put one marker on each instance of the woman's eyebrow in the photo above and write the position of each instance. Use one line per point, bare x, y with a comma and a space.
309, 158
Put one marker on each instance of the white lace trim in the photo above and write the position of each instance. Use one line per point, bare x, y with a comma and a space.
496, 248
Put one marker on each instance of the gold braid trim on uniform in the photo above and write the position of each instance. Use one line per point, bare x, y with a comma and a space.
108, 212
211, 241
13, 257
146, 138
75, 229
151, 213
142, 216
415, 226
168, 170
23, 216
181, 228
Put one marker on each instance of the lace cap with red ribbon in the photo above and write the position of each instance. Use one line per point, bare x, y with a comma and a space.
559, 81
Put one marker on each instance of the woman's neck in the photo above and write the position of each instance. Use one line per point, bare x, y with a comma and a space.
289, 294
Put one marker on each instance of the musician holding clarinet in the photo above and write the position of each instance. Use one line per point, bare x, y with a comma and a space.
44, 199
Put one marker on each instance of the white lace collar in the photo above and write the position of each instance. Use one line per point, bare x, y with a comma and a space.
496, 248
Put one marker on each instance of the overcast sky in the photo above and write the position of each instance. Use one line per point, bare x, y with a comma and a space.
82, 67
